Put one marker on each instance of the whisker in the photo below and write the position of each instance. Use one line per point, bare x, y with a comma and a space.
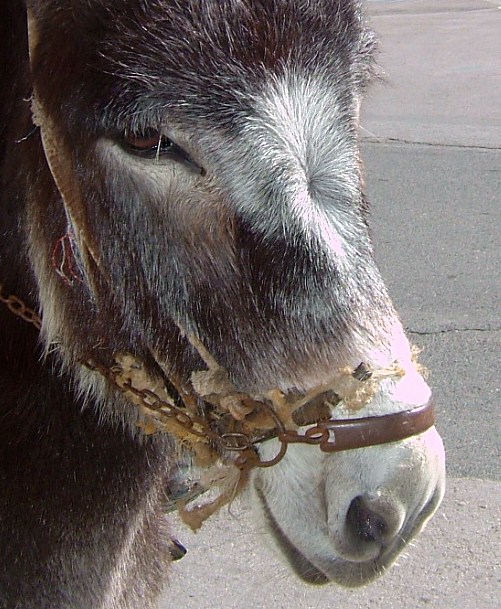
362, 128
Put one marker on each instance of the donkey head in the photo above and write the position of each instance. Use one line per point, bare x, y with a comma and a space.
205, 173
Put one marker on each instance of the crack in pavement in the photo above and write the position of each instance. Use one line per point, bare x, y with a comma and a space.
393, 140
448, 330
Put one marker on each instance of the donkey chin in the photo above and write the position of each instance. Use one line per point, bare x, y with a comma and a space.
333, 526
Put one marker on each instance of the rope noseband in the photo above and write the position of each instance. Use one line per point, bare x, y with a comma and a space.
204, 421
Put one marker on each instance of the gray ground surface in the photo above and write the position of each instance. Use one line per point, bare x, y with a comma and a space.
437, 226
444, 78
432, 145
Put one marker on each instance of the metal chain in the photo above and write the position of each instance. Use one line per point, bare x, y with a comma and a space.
193, 425
151, 401
17, 306
204, 428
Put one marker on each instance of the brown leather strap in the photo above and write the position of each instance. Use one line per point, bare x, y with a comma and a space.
346, 434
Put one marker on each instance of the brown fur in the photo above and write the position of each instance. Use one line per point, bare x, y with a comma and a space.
82, 498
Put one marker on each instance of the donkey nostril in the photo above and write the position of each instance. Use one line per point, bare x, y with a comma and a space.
365, 523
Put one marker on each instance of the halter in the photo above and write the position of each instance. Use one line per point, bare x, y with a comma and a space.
204, 419
227, 426
208, 414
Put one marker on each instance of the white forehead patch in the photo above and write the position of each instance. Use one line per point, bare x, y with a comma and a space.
304, 135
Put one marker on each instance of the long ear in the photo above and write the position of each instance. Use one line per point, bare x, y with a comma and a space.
59, 158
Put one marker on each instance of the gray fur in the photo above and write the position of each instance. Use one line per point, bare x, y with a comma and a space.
256, 240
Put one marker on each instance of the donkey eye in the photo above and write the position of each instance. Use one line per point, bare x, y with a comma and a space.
156, 145
149, 145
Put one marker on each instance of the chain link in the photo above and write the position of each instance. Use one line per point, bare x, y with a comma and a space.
151, 401
210, 429
200, 428
18, 307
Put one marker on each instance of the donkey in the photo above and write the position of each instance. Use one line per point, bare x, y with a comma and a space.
189, 169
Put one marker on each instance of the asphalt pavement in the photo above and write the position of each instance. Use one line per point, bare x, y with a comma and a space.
432, 148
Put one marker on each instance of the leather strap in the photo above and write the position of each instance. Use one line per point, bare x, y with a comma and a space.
346, 434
